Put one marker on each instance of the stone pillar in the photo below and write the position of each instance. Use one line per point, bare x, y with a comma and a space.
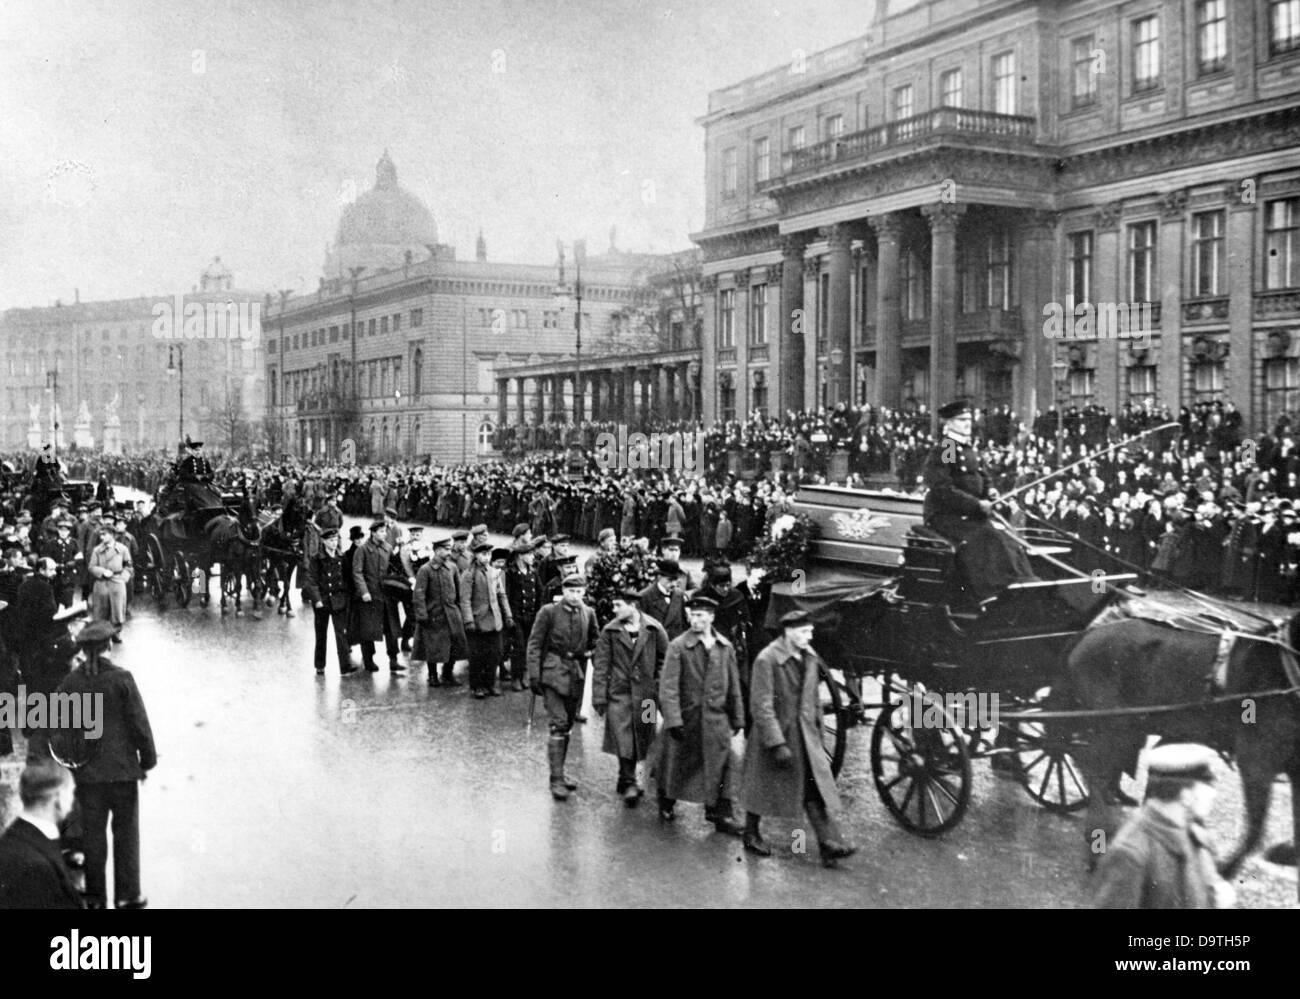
812, 269
646, 377
503, 394
539, 402
889, 326
943, 304
661, 407
839, 261
629, 396
741, 383
668, 374
1169, 259
519, 402
1109, 264
1035, 253
1241, 382
709, 347
790, 327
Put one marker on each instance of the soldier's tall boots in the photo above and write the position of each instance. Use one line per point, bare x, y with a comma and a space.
555, 753
569, 782
827, 831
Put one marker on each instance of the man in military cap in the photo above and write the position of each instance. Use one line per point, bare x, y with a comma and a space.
369, 621
459, 555
327, 590
958, 505
49, 526
524, 591
194, 467
559, 646
663, 599
786, 772
700, 699
67, 557
1161, 858
436, 602
485, 612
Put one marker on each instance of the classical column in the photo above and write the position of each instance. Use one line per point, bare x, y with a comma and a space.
943, 303
889, 327
503, 393
790, 327
839, 261
1109, 260
1169, 387
1241, 354
646, 377
1034, 255
539, 401
709, 346
519, 402
661, 391
812, 269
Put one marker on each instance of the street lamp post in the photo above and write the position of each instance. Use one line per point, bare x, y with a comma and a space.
1060, 371
561, 299
176, 366
52, 386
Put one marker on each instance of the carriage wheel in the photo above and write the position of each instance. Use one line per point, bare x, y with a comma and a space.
156, 575
835, 721
1047, 768
181, 579
922, 773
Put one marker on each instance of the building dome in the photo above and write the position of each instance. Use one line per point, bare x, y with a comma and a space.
378, 229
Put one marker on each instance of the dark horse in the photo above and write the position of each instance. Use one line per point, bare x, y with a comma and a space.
282, 547
235, 544
1141, 663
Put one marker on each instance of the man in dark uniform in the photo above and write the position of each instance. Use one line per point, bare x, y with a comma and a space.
326, 589
194, 467
562, 640
65, 554
524, 593
958, 506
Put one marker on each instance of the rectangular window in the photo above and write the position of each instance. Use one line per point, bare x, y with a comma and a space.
1083, 57
795, 138
832, 126
550, 320
999, 270
758, 400
1081, 383
1211, 36
1282, 243
730, 172
1004, 83
1283, 26
727, 317
762, 160
1207, 253
758, 314
371, 329
1081, 266
417, 317
901, 105
1207, 379
1281, 388
1146, 53
950, 88
383, 324
397, 322
334, 334
1142, 262
727, 402
1142, 383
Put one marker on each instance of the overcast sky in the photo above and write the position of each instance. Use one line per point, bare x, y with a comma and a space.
141, 138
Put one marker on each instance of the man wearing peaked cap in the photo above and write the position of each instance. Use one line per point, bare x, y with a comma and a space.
326, 588
702, 705
1161, 858
786, 772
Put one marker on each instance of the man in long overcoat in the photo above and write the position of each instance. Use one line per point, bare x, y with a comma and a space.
436, 602
699, 696
663, 599
485, 612
786, 771
630, 653
369, 622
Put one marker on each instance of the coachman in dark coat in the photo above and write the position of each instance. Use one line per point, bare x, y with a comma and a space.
957, 505
625, 682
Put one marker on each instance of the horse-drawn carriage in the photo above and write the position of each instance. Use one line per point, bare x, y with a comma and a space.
1039, 680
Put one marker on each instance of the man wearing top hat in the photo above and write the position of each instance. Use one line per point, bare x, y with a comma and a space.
562, 640
663, 599
194, 467
1161, 858
958, 505
702, 707
786, 772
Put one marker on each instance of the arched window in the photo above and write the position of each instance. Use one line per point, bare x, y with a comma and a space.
485, 433
417, 372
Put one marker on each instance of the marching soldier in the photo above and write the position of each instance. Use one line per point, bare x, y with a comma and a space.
629, 656
699, 696
559, 645
326, 590
786, 771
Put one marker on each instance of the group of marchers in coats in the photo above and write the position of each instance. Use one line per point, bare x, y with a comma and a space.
693, 681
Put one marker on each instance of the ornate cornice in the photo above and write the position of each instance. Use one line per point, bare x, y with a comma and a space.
709, 283
943, 217
740, 244
1173, 206
793, 245
1107, 216
774, 273
812, 267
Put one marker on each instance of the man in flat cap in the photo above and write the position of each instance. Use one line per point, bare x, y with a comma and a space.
459, 556
1161, 858
699, 696
485, 612
958, 505
786, 771
559, 646
369, 619
629, 657
326, 589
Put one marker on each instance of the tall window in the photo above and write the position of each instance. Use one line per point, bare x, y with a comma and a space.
1142, 262
727, 317
383, 324
1207, 253
370, 329
271, 381
1142, 383
730, 171
417, 372
397, 322
1283, 26
902, 109
795, 138
417, 317
727, 401
762, 160
1207, 378
1281, 388
758, 399
1081, 266
334, 334
1081, 383
1211, 36
1146, 53
999, 270
1004, 83
950, 88
832, 126
1083, 90
1282, 244
758, 314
